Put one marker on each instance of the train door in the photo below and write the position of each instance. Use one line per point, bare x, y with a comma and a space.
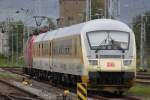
50, 56
30, 52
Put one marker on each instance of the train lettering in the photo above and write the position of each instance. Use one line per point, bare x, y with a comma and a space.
110, 64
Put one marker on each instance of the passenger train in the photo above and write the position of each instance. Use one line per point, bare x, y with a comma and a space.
101, 52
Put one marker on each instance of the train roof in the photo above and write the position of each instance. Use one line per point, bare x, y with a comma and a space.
93, 25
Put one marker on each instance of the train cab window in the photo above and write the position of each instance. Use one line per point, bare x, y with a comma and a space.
39, 50
36, 50
43, 47
108, 40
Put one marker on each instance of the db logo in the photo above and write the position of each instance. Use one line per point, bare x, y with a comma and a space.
110, 64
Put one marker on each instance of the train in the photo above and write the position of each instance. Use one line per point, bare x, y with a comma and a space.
100, 52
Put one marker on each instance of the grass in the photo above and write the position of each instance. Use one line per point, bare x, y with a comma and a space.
140, 90
139, 70
6, 75
6, 62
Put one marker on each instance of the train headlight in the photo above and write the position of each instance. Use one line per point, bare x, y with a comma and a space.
93, 62
127, 62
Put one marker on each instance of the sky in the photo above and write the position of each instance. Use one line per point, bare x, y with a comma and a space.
132, 8
29, 8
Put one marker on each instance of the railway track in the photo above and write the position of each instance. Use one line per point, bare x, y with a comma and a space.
14, 70
47, 87
143, 78
94, 96
11, 92
111, 96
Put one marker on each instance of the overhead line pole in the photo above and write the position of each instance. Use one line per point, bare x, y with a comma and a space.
143, 60
106, 9
88, 10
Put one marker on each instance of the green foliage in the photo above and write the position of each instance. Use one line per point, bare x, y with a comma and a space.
51, 24
48, 27
7, 62
2, 56
7, 75
137, 31
96, 6
140, 90
16, 36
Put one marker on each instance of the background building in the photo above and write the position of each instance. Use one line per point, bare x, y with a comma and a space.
71, 12
74, 11
4, 47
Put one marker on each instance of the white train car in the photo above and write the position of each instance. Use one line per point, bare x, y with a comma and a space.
100, 52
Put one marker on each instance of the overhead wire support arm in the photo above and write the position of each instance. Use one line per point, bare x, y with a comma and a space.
143, 58
39, 19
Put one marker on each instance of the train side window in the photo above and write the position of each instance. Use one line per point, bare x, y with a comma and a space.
35, 50
42, 49
39, 51
32, 51
55, 51
66, 50
59, 51
45, 52
75, 47
49, 50
46, 49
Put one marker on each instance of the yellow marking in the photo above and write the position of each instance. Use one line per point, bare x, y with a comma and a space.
80, 95
84, 79
82, 88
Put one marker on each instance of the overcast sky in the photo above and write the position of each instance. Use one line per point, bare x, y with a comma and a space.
128, 9
31, 8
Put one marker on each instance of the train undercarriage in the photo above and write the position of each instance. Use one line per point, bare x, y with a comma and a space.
116, 82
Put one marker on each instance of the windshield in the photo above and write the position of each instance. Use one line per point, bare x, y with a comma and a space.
112, 40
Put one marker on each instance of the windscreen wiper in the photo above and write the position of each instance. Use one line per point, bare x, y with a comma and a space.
99, 46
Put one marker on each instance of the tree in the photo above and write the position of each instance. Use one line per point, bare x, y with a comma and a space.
137, 31
16, 36
48, 26
51, 24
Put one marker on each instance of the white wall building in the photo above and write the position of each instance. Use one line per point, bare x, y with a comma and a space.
4, 44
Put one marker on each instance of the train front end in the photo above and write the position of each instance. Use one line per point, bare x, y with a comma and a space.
110, 56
